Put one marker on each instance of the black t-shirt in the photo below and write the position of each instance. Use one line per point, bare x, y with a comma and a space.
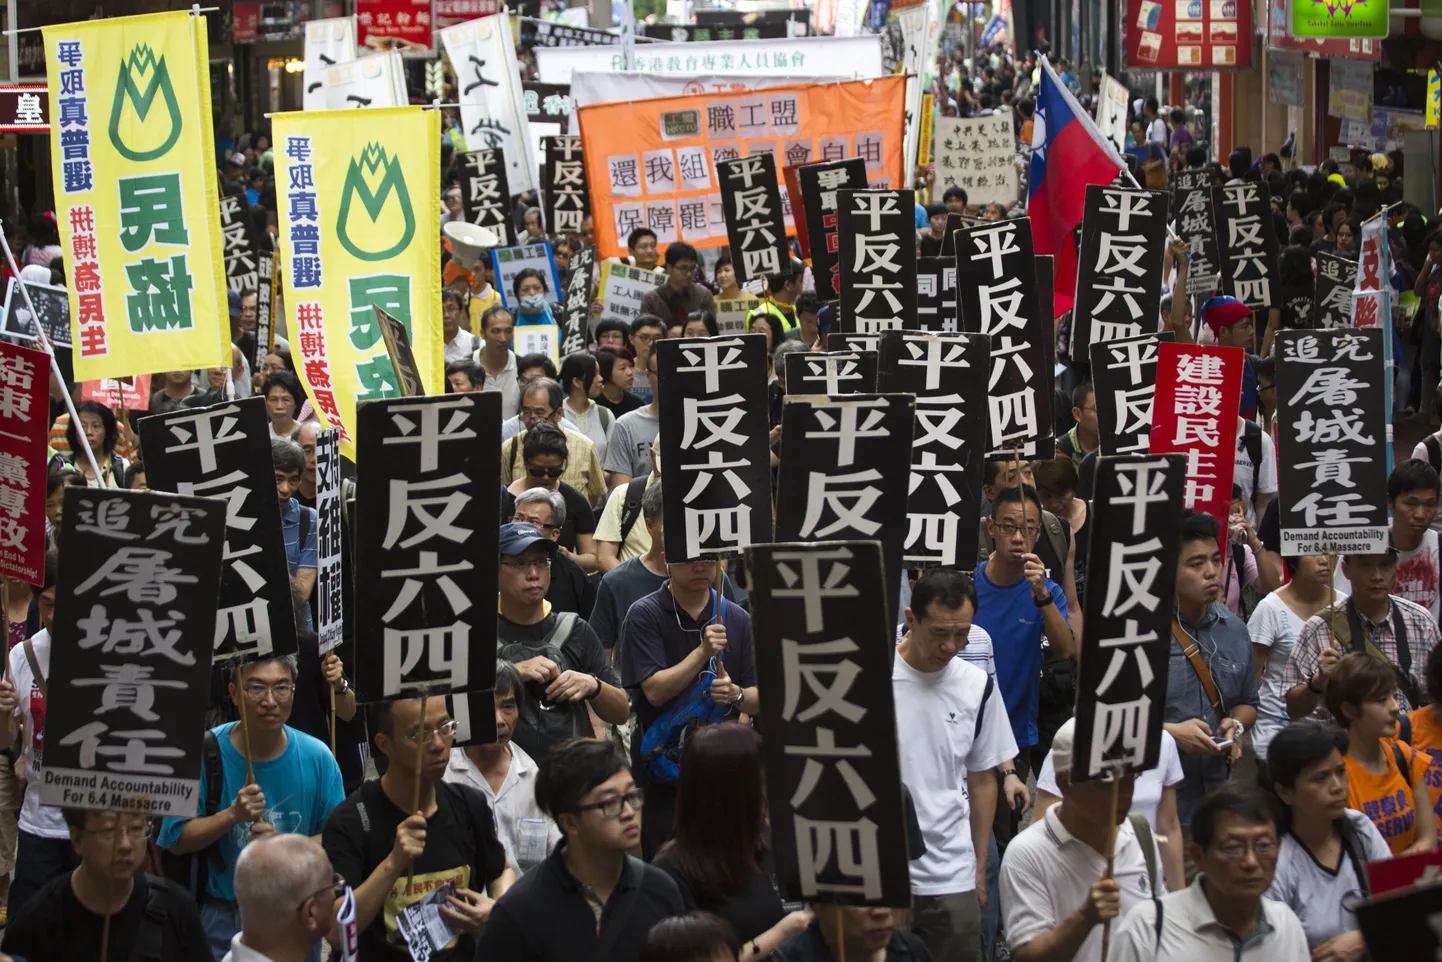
1297, 307
809, 946
752, 910
54, 927
580, 519
310, 707
461, 847
628, 403
1269, 531
931, 246
570, 589
541, 723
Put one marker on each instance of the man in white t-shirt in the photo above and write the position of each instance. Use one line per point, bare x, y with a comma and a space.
1258, 484
1412, 492
1054, 896
956, 725
44, 850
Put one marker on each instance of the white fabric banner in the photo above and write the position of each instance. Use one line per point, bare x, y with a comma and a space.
796, 58
378, 80
914, 23
327, 43
493, 107
607, 88
1112, 111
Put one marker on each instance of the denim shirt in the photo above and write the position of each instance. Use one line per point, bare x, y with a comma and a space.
1226, 647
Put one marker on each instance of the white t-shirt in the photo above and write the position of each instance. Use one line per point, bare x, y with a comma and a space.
1157, 132
1147, 787
1321, 899
503, 383
36, 819
1047, 873
1420, 453
1276, 626
1417, 574
938, 711
1266, 478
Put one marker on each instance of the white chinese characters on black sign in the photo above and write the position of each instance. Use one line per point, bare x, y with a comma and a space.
1248, 243
755, 220
1119, 269
936, 294
1336, 283
1124, 378
831, 372
563, 185
878, 261
485, 193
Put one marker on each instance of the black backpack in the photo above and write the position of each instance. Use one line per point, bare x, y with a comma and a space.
540, 724
631, 507
1252, 444
191, 872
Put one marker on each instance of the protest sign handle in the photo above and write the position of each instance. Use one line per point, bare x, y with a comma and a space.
332, 723
245, 736
422, 740
840, 935
54, 365
109, 888
1116, 777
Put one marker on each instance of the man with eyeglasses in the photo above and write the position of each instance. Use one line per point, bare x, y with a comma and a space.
427, 876
570, 589
286, 889
1084, 436
297, 785
543, 401
1222, 915
646, 330
589, 899
680, 295
557, 655
151, 920
1023, 610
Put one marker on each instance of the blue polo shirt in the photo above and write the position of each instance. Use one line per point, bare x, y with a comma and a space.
1015, 623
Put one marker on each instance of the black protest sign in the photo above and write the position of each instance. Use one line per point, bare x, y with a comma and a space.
755, 219
548, 103
831, 372
329, 597
1332, 417
1197, 225
428, 511
878, 261
264, 304
846, 473
485, 192
713, 435
402, 358
1401, 924
947, 373
1119, 269
576, 313
1124, 379
1045, 265
52, 305
994, 263
838, 821
223, 451
853, 343
132, 641
936, 294
1247, 242
820, 184
954, 223
474, 713
239, 245
563, 185
1182, 181
1332, 302
1131, 571
543, 33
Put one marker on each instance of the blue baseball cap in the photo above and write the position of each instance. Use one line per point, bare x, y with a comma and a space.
517, 536
233, 299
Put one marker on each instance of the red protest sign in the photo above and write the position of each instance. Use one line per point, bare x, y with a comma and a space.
24, 422
1395, 873
1194, 412
401, 25
135, 395
1189, 34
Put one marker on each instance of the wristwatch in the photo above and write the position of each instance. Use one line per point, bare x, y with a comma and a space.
1005, 772
595, 694
1315, 691
1043, 602
344, 685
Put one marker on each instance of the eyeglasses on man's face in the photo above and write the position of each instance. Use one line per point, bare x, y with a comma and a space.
445, 731
537, 565
281, 690
336, 890
612, 807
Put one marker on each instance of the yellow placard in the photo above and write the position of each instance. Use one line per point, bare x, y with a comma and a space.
133, 156
1434, 99
923, 141
359, 230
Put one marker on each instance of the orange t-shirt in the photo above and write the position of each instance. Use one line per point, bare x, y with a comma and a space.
1387, 799
1427, 735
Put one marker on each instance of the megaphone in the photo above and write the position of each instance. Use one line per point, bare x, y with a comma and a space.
470, 242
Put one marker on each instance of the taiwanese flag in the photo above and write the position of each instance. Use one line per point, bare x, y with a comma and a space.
1068, 153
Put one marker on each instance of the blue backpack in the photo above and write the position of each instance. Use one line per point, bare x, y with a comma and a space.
663, 742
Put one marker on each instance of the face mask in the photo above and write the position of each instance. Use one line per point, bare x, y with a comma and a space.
533, 303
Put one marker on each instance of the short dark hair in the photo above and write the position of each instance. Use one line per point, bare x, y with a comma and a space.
579, 366
555, 397
705, 317
132, 470
76, 437
286, 455
72, 478
573, 768
934, 210
492, 311
1080, 393
1055, 475
649, 320
1413, 474
52, 568
508, 681
634, 238
1015, 494
1295, 749
678, 251
693, 937
545, 438
607, 356
524, 275
467, 366
946, 587
451, 294
1197, 526
543, 361
1151, 104
610, 324
956, 192
1248, 803
807, 303
288, 383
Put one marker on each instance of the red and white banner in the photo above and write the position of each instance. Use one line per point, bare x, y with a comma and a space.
1371, 296
1194, 412
400, 25
24, 423
1189, 34
133, 395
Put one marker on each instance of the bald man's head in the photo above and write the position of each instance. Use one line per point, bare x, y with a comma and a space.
278, 878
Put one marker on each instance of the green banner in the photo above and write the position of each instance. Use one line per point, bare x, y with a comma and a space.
1339, 19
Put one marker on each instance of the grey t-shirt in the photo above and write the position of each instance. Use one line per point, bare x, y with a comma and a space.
628, 451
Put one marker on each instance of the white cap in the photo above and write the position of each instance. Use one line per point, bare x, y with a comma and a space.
1061, 746
35, 274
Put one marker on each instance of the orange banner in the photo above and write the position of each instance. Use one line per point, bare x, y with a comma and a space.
651, 163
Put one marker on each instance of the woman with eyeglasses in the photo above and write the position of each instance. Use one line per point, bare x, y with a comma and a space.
1386, 780
1321, 865
544, 454
720, 847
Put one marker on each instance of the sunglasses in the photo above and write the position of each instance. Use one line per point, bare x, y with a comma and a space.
537, 472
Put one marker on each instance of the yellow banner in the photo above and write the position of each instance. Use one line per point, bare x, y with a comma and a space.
359, 229
133, 154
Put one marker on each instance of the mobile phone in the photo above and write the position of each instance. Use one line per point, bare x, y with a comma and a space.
1223, 743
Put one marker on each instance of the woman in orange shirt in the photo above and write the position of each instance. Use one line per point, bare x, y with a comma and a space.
1386, 779
1426, 725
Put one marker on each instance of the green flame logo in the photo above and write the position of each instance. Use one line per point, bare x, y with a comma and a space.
142, 76
376, 179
